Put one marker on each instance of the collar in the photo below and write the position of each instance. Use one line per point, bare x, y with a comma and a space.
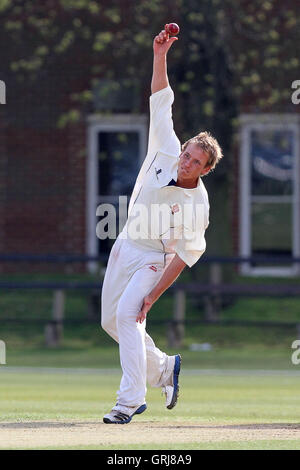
173, 183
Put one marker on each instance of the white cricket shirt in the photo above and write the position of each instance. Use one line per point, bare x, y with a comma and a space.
161, 216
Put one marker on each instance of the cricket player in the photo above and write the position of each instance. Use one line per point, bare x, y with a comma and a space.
151, 251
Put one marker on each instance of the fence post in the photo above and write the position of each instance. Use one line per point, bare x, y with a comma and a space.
54, 329
212, 302
176, 327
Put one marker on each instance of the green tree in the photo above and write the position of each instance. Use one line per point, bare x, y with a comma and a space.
231, 57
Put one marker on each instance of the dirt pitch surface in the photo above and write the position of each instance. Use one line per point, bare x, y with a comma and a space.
32, 435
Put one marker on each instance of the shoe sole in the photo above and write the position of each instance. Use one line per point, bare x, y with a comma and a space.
175, 382
139, 411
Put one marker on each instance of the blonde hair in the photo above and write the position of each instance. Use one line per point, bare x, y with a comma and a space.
208, 144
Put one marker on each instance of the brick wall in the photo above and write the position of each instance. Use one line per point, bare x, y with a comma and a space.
42, 187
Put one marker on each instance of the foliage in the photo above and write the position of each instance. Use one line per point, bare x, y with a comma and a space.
231, 57
227, 50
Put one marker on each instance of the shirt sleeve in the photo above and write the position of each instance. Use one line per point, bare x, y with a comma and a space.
191, 247
162, 136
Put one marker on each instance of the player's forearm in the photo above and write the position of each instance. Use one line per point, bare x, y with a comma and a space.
160, 75
167, 279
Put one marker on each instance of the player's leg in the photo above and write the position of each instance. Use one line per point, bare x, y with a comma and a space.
159, 364
114, 284
135, 361
132, 335
163, 370
115, 281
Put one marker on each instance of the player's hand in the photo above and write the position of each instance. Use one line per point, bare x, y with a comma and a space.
162, 42
147, 304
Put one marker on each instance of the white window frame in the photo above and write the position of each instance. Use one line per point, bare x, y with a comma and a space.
104, 123
248, 123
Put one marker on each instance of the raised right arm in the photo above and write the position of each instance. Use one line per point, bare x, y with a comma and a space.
161, 132
161, 44
160, 76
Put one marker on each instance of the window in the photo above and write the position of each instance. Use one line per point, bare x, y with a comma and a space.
116, 148
269, 193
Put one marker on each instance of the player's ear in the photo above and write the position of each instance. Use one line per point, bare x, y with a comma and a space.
206, 170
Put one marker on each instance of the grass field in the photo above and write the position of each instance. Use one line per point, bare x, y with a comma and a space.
243, 358
242, 394
63, 409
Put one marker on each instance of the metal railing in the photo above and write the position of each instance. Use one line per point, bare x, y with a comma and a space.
212, 292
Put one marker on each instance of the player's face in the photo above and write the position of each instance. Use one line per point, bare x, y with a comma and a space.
192, 163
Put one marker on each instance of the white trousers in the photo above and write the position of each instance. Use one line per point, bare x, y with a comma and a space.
132, 272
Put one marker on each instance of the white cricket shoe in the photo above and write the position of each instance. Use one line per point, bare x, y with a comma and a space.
121, 414
171, 389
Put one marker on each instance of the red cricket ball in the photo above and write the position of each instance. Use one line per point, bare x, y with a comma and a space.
173, 29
